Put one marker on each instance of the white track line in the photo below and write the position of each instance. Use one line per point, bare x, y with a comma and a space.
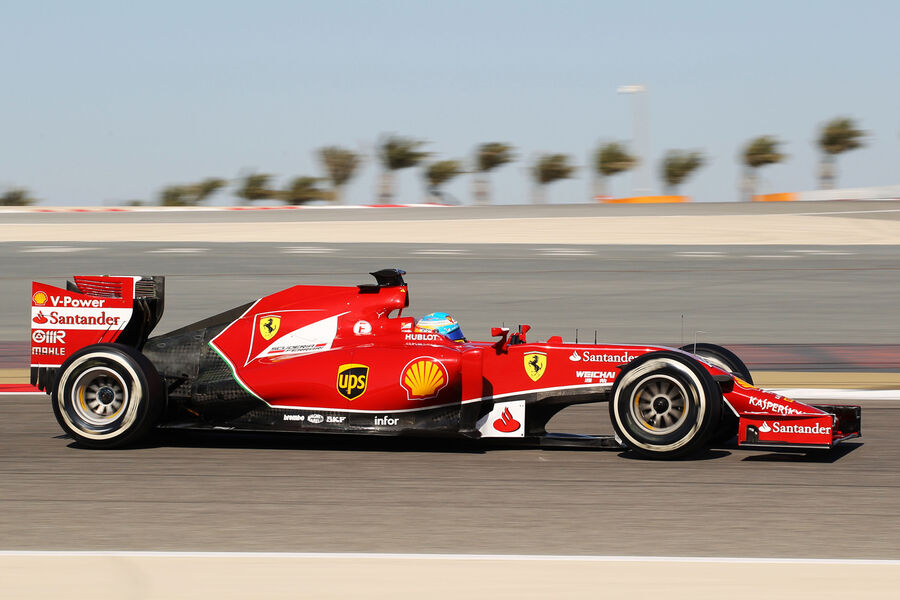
307, 250
178, 251
56, 249
566, 252
463, 557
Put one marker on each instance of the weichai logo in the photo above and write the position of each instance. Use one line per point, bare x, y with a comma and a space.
352, 380
39, 298
423, 378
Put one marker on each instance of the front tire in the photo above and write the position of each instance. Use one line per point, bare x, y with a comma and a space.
728, 361
107, 396
665, 405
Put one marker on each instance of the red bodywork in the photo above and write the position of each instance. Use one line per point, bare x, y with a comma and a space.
347, 350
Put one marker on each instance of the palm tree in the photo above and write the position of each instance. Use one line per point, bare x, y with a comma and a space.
340, 164
838, 135
547, 169
759, 152
191, 194
611, 159
304, 189
440, 172
17, 197
678, 166
396, 153
487, 158
256, 187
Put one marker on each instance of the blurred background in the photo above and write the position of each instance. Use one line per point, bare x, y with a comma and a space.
362, 102
571, 107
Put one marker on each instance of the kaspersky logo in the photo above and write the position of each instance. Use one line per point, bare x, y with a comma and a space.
268, 326
423, 378
352, 380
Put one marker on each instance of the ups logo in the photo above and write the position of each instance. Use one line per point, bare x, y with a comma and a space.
352, 380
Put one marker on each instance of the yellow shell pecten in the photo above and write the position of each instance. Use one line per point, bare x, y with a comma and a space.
423, 378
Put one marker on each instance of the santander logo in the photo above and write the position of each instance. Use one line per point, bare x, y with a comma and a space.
40, 319
575, 357
765, 427
506, 423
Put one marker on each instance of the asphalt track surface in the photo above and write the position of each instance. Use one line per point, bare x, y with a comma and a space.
284, 493
638, 293
232, 492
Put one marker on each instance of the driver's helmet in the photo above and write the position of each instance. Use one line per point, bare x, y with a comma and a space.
442, 323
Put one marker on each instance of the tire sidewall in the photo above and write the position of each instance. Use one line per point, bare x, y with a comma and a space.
141, 406
702, 406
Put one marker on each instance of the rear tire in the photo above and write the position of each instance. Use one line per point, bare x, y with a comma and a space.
726, 360
107, 396
665, 405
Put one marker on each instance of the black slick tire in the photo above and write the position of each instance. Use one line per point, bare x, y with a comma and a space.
665, 405
726, 360
107, 396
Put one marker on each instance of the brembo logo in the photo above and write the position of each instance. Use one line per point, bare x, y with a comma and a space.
586, 356
769, 406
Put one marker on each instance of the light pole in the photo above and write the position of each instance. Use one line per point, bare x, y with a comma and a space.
640, 132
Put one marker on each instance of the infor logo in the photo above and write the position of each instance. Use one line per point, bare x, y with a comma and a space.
352, 380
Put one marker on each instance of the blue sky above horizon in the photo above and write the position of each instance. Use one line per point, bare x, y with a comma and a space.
108, 102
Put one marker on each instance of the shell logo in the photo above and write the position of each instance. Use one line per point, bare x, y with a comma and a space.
423, 378
39, 298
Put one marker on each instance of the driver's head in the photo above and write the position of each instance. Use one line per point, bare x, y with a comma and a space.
442, 323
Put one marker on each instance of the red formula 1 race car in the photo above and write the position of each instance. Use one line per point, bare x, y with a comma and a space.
332, 360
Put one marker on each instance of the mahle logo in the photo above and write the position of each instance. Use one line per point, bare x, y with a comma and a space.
268, 326
352, 380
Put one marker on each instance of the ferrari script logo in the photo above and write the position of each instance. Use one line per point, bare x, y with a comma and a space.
268, 326
352, 380
535, 365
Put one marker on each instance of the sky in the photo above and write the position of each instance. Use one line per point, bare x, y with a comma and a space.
109, 102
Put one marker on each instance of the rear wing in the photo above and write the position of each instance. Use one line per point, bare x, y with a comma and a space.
90, 310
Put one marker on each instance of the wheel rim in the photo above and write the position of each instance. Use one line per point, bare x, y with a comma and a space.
99, 396
659, 404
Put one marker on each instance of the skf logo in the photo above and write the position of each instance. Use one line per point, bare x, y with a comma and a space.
423, 378
535, 365
352, 380
39, 298
268, 326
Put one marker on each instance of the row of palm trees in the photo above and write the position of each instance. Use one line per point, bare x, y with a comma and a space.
396, 153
